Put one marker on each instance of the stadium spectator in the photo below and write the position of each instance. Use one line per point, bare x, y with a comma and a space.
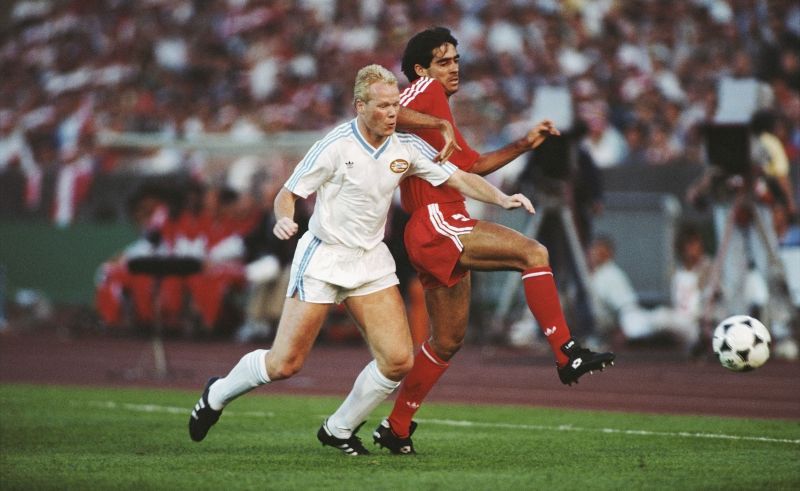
16, 156
133, 69
115, 286
181, 220
74, 178
636, 135
603, 141
619, 307
268, 262
660, 148
222, 227
773, 160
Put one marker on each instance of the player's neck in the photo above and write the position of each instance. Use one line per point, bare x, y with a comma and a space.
371, 137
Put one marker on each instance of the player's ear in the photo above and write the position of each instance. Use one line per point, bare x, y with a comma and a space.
420, 70
360, 106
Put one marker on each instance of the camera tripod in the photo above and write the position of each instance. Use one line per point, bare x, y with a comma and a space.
551, 205
777, 284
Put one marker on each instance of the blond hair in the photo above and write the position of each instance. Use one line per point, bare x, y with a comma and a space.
367, 76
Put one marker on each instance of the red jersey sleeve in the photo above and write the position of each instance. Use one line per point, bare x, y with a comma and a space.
426, 95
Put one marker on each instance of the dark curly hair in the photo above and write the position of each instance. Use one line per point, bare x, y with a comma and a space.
419, 50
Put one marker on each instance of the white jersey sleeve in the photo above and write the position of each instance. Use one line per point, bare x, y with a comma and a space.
422, 164
317, 167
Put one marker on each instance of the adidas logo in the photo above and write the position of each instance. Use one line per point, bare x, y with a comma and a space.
412, 405
550, 331
348, 164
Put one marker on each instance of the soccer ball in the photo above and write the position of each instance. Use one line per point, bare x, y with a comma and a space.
742, 343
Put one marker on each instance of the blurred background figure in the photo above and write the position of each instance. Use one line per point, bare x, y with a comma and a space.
774, 162
124, 301
603, 140
268, 263
689, 282
180, 220
619, 308
215, 292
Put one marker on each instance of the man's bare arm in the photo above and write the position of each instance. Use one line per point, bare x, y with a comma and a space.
284, 206
491, 161
478, 188
408, 119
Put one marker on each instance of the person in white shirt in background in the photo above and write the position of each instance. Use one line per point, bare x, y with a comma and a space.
618, 303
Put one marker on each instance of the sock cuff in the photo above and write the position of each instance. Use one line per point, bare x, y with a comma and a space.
426, 350
259, 368
379, 378
534, 272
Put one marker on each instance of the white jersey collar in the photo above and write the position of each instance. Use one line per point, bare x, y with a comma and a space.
374, 152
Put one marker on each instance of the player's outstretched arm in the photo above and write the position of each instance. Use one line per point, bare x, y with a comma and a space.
480, 189
491, 161
284, 206
408, 119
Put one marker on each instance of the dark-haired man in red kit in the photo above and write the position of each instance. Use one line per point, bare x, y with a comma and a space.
444, 243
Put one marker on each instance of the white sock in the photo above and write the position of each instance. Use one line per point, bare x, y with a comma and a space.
249, 373
370, 389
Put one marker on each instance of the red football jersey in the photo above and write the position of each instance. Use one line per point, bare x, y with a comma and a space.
426, 95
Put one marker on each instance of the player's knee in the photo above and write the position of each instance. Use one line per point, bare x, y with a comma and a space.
536, 255
397, 367
446, 347
284, 368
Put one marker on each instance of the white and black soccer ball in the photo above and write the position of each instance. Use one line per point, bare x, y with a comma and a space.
741, 343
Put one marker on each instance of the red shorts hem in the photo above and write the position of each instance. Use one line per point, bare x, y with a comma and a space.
432, 239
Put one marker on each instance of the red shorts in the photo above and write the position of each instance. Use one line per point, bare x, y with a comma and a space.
433, 244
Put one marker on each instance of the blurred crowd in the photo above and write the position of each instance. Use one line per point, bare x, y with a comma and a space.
643, 75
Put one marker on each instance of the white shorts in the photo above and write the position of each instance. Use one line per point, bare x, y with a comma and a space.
328, 273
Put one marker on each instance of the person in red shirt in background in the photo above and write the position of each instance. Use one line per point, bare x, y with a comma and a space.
223, 224
444, 243
148, 211
208, 223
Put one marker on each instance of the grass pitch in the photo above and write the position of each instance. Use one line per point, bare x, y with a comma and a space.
78, 438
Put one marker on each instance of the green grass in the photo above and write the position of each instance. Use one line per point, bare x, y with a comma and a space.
77, 438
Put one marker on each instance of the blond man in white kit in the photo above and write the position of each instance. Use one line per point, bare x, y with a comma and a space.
354, 170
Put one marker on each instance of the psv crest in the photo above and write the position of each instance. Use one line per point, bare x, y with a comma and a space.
398, 166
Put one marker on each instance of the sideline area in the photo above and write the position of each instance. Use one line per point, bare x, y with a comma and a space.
643, 380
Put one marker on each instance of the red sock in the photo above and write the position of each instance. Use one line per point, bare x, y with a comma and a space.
542, 297
427, 369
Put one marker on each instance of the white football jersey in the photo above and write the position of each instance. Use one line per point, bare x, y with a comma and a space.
355, 182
